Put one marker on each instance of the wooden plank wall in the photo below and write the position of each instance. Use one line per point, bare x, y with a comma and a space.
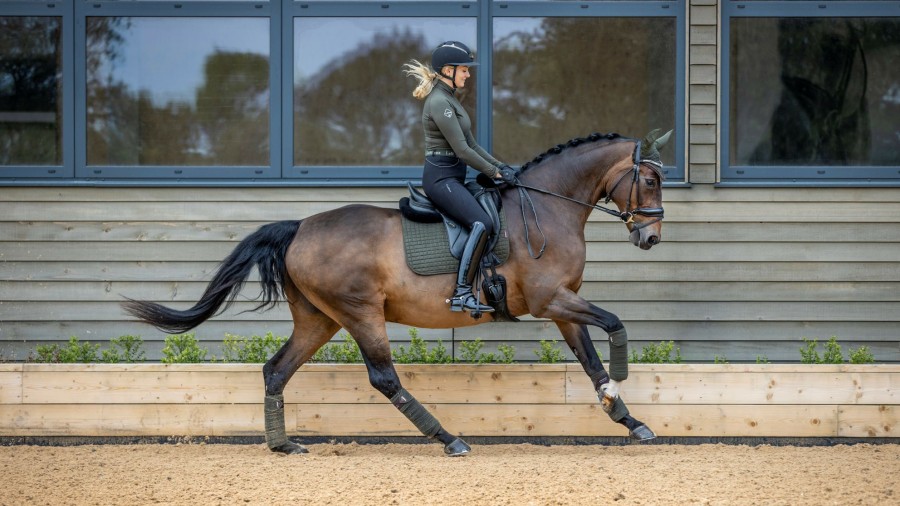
519, 400
740, 272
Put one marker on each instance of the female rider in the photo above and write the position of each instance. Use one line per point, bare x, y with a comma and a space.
449, 149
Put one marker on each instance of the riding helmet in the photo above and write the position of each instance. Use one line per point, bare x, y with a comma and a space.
452, 53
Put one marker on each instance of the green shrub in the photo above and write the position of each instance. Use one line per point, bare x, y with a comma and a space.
833, 353
657, 354
126, 348
46, 353
549, 352
861, 355
346, 352
183, 349
720, 360
470, 351
762, 359
77, 352
808, 352
255, 350
418, 352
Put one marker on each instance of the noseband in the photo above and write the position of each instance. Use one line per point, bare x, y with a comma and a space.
628, 216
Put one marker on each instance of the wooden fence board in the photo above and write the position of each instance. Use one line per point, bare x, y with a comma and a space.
10, 384
174, 230
869, 421
594, 271
385, 420
746, 388
195, 210
758, 333
292, 195
664, 310
210, 251
688, 291
307, 387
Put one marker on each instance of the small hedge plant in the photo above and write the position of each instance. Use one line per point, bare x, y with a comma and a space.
833, 354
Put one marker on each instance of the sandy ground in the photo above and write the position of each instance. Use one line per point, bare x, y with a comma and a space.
416, 474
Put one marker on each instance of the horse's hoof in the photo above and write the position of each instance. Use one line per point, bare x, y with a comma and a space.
290, 449
642, 433
457, 448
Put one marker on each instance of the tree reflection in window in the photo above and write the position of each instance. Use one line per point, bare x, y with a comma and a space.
352, 103
30, 91
559, 78
178, 91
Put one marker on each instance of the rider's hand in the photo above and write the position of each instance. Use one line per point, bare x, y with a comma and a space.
507, 174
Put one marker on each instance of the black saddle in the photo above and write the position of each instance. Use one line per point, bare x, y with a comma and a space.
419, 208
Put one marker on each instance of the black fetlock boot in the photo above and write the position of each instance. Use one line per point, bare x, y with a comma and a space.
463, 299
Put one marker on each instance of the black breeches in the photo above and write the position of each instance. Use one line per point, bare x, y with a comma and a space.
443, 182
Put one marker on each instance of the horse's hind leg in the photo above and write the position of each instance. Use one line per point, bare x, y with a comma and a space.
312, 329
373, 343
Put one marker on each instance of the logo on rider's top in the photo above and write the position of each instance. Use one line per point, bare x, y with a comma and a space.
448, 112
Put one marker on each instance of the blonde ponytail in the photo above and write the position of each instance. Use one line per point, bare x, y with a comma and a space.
423, 74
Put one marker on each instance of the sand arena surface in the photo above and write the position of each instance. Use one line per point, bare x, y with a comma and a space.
416, 474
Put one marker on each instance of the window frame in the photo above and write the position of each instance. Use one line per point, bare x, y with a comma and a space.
85, 9
808, 175
64, 11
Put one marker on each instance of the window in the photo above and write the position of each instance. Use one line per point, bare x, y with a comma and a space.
352, 105
312, 92
31, 94
813, 92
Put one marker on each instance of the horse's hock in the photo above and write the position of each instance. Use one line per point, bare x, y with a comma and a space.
521, 400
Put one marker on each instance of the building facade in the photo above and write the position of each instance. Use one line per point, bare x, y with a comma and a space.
141, 140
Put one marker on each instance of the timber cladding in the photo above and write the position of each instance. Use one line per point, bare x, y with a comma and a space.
741, 273
702, 400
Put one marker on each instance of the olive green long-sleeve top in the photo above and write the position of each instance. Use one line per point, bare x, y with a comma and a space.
447, 126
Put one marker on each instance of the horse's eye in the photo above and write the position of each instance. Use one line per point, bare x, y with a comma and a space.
650, 183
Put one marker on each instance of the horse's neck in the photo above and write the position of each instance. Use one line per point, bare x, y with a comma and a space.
580, 176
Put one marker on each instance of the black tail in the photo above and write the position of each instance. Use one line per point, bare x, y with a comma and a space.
266, 249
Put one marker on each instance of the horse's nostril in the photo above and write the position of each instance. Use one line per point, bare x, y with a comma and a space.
653, 240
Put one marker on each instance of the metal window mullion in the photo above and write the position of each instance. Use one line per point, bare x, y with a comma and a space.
381, 9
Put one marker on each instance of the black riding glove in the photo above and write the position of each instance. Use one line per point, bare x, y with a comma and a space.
507, 174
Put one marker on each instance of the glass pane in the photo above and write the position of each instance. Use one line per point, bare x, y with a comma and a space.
30, 91
815, 91
177, 91
560, 78
352, 103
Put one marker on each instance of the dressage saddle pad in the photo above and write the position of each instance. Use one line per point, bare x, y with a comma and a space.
427, 247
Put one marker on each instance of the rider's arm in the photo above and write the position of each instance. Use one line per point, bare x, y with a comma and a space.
458, 140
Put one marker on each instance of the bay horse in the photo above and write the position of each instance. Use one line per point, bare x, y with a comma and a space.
346, 268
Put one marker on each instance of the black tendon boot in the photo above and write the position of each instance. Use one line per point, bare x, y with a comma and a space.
463, 298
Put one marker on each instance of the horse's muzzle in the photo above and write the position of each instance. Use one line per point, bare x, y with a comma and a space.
645, 238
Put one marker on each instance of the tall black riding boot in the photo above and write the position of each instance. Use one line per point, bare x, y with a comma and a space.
463, 298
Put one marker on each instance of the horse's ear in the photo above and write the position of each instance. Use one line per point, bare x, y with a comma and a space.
662, 140
652, 142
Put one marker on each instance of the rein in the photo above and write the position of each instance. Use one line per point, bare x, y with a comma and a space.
626, 216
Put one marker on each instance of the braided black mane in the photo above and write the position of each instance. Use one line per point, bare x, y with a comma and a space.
555, 150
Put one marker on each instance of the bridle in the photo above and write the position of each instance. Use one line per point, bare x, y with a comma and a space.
627, 216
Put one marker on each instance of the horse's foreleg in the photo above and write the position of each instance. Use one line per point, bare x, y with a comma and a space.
312, 329
376, 351
572, 314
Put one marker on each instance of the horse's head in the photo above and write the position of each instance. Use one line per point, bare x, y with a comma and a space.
637, 191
